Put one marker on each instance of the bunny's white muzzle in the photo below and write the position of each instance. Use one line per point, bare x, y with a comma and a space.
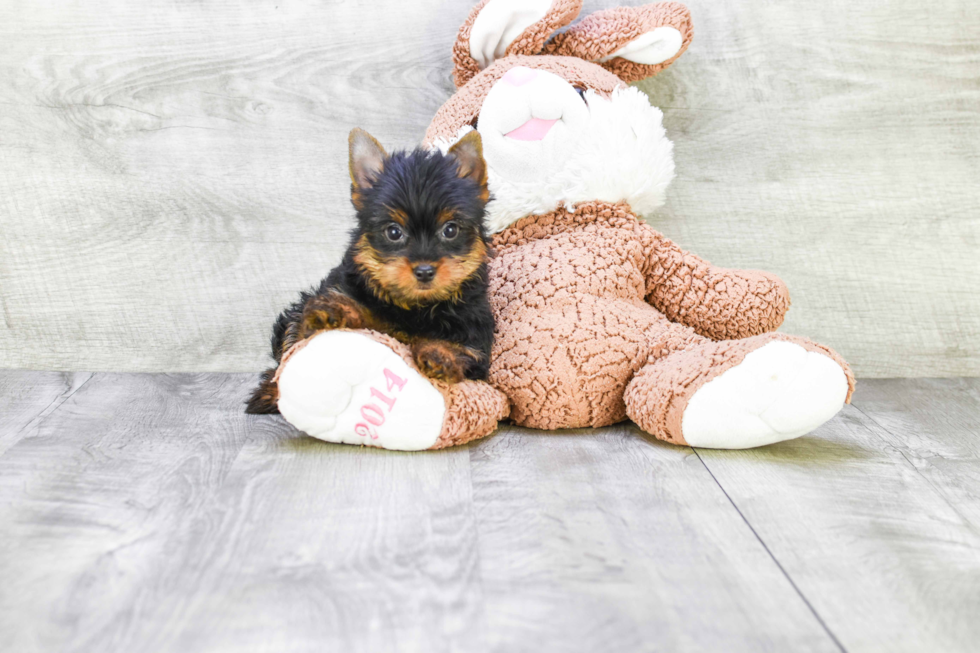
547, 143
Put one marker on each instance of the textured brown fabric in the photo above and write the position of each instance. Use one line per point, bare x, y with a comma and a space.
658, 395
463, 108
530, 41
569, 292
464, 65
602, 33
472, 408
719, 303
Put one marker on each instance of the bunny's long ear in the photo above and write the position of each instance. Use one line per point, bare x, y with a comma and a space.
497, 28
631, 42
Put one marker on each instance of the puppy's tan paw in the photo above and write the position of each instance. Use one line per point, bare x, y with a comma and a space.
332, 311
441, 360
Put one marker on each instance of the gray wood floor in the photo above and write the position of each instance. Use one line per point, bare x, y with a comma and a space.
145, 512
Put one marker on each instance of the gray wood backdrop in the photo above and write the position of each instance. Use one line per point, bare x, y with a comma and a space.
172, 173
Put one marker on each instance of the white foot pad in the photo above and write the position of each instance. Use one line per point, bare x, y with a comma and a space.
347, 388
778, 392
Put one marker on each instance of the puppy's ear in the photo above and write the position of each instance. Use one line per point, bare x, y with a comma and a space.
468, 153
367, 159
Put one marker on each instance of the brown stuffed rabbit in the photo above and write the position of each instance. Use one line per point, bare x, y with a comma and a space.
599, 317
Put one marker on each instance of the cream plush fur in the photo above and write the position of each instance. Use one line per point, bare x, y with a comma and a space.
614, 150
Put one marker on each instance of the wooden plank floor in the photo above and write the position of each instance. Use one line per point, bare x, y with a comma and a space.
145, 512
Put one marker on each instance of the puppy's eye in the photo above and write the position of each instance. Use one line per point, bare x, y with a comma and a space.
394, 233
450, 231
581, 92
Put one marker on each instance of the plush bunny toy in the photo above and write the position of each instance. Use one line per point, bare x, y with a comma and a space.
599, 317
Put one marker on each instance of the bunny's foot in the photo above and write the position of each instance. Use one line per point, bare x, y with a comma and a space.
362, 387
737, 394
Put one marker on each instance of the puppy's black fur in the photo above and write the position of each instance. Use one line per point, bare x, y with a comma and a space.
416, 266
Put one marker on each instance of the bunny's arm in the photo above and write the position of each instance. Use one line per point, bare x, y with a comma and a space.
718, 303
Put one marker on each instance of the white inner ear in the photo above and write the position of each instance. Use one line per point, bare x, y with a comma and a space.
651, 48
499, 23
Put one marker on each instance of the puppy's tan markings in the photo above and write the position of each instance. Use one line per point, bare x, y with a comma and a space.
445, 216
399, 216
393, 281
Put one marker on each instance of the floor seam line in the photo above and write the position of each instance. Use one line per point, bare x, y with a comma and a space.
772, 557
55, 404
915, 469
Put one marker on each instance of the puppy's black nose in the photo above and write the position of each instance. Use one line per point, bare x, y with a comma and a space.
424, 272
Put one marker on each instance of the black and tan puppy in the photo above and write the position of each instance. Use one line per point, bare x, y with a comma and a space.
416, 267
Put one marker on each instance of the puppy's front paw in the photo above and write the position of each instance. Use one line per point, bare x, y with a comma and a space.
442, 360
333, 311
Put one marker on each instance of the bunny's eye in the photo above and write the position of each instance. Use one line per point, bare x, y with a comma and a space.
581, 92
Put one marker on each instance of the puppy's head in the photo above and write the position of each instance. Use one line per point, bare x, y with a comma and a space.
420, 232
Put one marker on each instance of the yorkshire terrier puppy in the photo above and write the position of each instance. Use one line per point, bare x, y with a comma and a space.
416, 267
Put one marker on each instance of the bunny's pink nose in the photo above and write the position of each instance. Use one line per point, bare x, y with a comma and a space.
519, 75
